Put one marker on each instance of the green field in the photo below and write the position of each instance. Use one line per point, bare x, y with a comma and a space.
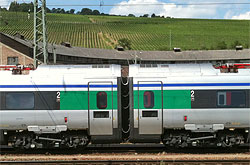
144, 33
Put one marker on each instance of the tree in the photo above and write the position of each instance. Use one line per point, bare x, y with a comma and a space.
23, 7
131, 15
153, 15
95, 12
47, 10
86, 11
72, 11
58, 10
13, 6
53, 10
125, 43
62, 11
145, 15
3, 9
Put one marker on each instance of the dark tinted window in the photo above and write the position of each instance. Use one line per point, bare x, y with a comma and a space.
148, 98
102, 100
221, 99
238, 99
103, 114
231, 99
12, 60
20, 101
149, 114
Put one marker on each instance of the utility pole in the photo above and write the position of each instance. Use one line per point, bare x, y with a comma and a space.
101, 5
40, 32
170, 40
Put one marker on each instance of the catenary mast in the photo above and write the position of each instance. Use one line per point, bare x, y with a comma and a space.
40, 32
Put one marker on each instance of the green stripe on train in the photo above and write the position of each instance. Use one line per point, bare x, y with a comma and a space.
172, 99
78, 100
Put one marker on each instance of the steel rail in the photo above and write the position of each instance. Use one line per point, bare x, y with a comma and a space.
233, 161
157, 4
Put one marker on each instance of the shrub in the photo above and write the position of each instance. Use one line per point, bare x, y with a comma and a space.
125, 43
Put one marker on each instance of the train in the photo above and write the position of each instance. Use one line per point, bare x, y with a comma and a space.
178, 105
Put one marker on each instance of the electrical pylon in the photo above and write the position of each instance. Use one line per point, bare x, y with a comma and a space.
40, 32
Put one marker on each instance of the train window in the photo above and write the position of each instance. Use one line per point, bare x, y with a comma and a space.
232, 99
102, 100
221, 98
149, 114
20, 101
148, 98
102, 114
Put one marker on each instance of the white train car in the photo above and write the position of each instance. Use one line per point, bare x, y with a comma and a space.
60, 103
183, 104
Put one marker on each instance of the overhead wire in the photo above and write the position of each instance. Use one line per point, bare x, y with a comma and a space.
156, 4
192, 5
149, 4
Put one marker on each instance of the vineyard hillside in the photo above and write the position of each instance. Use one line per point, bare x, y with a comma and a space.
144, 33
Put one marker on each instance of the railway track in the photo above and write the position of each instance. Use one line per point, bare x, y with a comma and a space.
124, 148
128, 154
169, 162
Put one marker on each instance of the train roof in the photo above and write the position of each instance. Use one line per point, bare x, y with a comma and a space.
135, 70
163, 70
95, 70
82, 70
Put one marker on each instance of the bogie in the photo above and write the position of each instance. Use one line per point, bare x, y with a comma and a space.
182, 139
28, 140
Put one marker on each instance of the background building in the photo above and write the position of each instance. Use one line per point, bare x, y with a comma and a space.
16, 50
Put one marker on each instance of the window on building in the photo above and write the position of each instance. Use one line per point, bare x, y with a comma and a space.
20, 101
148, 99
12, 60
231, 99
102, 100
102, 114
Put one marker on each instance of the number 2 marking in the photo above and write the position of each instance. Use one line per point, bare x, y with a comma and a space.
192, 93
58, 95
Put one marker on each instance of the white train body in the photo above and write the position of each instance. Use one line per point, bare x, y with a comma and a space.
164, 102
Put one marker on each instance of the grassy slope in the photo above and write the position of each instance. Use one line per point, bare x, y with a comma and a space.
145, 33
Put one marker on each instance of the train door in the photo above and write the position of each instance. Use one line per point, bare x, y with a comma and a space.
150, 107
100, 100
